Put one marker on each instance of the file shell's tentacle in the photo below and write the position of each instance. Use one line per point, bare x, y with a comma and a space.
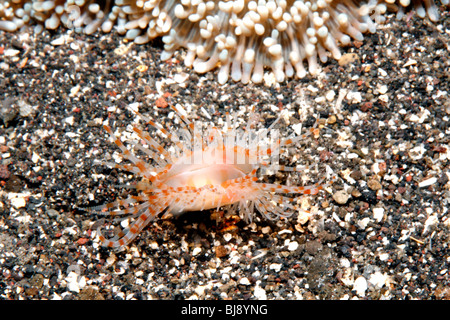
220, 179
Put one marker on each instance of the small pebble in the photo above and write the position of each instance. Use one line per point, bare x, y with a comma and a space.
196, 251
378, 214
382, 89
181, 77
360, 286
330, 95
64, 39
379, 279
221, 251
244, 281
356, 193
265, 230
348, 58
227, 237
374, 185
410, 62
10, 52
363, 223
17, 200
142, 68
427, 182
275, 266
24, 108
332, 119
293, 245
341, 197
260, 293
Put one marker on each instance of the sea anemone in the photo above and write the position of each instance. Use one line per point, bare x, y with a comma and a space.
214, 170
240, 36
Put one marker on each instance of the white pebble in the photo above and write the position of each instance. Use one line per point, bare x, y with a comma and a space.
383, 256
35, 157
354, 97
345, 263
244, 281
360, 286
275, 267
74, 91
181, 77
330, 95
382, 89
61, 40
378, 214
363, 223
69, 120
227, 237
410, 62
10, 52
75, 282
384, 97
293, 246
196, 251
378, 279
260, 293
382, 72
430, 222
18, 201
352, 155
427, 182
413, 118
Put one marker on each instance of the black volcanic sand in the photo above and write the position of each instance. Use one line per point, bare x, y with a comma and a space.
380, 232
